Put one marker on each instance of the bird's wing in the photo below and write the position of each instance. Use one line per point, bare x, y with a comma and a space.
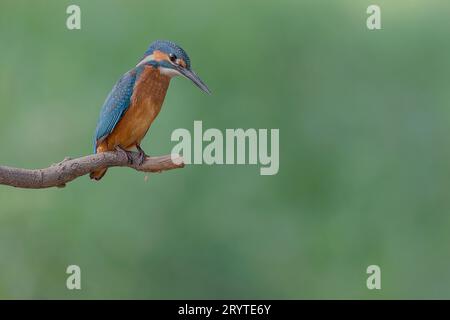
115, 106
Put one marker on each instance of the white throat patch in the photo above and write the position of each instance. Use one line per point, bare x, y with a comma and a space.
145, 60
169, 72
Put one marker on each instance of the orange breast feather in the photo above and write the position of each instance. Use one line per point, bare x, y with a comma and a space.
146, 101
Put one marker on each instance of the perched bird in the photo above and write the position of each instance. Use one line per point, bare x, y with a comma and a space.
136, 99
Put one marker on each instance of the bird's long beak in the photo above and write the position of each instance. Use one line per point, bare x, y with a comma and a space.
191, 75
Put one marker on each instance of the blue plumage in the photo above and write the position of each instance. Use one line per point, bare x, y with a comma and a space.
169, 47
115, 106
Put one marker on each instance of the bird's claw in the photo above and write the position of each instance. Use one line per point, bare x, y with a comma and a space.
141, 155
127, 154
141, 158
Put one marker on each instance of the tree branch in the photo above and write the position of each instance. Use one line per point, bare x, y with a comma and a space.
57, 175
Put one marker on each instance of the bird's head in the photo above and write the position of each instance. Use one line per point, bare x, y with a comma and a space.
171, 60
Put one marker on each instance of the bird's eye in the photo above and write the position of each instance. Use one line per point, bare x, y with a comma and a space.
172, 57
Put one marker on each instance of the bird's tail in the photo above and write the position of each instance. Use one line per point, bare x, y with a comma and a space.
97, 175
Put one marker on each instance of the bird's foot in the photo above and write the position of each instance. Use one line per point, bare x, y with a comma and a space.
127, 154
141, 154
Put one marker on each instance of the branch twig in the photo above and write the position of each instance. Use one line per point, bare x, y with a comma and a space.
57, 175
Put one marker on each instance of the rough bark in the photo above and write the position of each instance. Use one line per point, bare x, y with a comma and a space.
58, 174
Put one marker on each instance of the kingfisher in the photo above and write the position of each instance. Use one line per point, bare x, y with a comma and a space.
136, 100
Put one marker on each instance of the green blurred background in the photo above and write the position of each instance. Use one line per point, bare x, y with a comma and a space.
364, 174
